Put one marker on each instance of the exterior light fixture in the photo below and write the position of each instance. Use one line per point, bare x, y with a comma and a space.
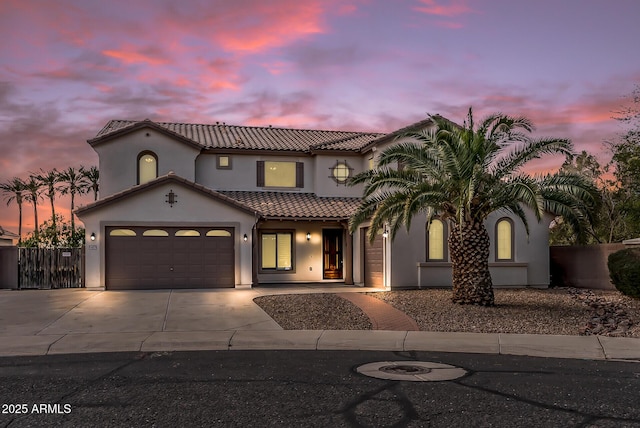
385, 234
93, 236
308, 236
245, 237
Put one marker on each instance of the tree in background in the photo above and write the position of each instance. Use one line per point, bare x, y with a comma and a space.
462, 175
91, 177
626, 160
55, 233
49, 180
72, 184
618, 216
33, 190
16, 191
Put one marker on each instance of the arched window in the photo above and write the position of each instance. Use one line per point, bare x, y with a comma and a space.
436, 248
147, 167
504, 239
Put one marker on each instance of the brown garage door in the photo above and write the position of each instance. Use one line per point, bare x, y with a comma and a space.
169, 257
372, 260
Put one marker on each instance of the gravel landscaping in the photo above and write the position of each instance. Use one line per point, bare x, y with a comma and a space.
552, 311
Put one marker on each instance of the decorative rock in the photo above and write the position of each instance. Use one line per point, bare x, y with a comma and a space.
607, 317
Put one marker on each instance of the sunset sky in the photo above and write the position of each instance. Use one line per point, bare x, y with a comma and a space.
69, 66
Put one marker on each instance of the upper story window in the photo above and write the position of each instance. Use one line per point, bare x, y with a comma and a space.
282, 174
436, 248
147, 167
223, 162
504, 239
341, 172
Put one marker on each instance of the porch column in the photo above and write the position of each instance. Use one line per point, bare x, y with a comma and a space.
348, 257
254, 256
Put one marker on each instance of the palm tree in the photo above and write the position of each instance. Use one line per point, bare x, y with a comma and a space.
463, 174
33, 189
16, 189
71, 180
48, 180
91, 177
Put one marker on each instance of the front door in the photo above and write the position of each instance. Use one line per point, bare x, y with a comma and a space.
332, 249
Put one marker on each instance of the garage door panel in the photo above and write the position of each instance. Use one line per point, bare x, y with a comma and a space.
155, 262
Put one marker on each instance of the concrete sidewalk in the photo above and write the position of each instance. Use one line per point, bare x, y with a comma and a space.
43, 322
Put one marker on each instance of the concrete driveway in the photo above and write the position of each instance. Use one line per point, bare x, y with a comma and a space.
77, 320
42, 322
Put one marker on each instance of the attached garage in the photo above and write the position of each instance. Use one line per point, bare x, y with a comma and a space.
150, 257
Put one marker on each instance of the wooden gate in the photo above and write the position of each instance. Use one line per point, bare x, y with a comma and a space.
45, 268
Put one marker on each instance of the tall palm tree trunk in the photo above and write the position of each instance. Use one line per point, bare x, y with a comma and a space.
36, 230
73, 223
19, 222
469, 249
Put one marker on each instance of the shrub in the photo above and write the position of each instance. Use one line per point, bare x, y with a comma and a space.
624, 270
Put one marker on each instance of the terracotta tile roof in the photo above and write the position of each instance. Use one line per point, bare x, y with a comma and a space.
223, 136
290, 205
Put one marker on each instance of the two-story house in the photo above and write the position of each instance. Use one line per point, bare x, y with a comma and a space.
207, 206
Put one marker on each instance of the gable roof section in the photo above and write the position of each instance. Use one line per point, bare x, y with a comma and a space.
117, 128
265, 205
223, 136
169, 178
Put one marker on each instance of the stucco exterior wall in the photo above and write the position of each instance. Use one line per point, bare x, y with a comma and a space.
149, 208
327, 186
530, 266
119, 158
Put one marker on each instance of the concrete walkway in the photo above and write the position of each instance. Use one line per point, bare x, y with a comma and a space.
382, 315
42, 322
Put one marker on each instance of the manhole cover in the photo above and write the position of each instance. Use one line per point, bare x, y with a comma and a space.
404, 369
415, 371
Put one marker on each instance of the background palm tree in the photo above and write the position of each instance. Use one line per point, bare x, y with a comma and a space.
463, 174
15, 190
71, 180
91, 177
33, 190
48, 180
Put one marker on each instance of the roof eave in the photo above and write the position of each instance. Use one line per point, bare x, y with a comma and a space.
140, 125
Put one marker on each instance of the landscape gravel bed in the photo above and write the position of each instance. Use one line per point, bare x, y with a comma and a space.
313, 312
526, 310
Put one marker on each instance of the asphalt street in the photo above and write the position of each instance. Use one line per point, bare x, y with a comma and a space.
312, 389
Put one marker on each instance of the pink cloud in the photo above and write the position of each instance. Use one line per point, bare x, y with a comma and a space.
450, 25
451, 8
249, 26
131, 55
278, 67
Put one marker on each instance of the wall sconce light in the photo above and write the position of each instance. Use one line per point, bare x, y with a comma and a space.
385, 234
93, 236
308, 236
245, 237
